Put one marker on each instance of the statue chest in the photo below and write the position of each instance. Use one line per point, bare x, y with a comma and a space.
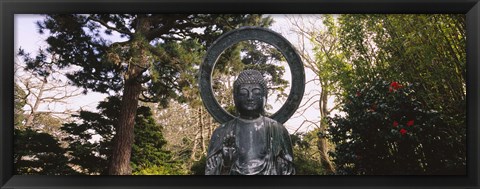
252, 142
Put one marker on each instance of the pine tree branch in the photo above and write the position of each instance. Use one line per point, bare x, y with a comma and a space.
105, 24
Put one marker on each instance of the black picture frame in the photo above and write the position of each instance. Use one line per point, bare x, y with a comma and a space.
471, 8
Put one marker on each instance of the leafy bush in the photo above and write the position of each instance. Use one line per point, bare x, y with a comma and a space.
198, 167
166, 169
386, 130
306, 156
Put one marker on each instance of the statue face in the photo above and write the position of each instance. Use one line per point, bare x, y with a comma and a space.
250, 100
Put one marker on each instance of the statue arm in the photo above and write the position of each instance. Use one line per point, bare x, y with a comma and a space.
221, 152
285, 159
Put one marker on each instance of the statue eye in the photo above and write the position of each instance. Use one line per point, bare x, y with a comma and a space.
243, 92
257, 91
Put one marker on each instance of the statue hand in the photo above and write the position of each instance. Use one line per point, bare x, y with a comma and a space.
213, 163
229, 151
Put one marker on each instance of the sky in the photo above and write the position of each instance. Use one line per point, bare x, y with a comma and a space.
28, 38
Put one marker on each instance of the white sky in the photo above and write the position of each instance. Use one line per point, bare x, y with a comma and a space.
27, 37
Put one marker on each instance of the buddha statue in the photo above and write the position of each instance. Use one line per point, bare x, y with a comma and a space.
250, 144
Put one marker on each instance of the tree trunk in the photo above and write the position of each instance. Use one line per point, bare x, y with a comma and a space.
194, 148
202, 131
322, 143
324, 160
124, 137
122, 145
210, 127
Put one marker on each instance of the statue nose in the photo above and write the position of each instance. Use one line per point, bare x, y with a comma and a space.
250, 95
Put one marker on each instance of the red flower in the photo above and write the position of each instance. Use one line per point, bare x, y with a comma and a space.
410, 123
403, 131
394, 86
357, 94
395, 124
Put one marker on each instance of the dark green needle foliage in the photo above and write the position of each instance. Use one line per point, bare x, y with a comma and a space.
39, 153
90, 140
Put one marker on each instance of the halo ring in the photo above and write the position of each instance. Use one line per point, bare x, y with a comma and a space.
252, 33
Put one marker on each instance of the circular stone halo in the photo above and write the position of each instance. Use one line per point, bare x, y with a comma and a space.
252, 33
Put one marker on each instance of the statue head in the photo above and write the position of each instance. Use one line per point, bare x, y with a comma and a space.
250, 94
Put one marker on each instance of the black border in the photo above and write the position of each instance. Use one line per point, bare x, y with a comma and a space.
10, 7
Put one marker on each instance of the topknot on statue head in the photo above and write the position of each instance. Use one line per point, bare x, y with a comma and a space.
251, 77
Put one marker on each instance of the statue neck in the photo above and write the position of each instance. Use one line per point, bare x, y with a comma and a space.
250, 117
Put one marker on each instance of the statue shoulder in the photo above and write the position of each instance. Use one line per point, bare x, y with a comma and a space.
223, 128
273, 122
217, 137
277, 125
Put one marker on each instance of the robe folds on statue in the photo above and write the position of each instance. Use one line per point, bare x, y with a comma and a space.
260, 146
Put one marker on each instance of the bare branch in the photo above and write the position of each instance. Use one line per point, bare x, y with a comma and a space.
312, 80
305, 121
67, 112
309, 99
306, 108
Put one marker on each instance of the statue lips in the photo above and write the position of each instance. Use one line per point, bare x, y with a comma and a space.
251, 105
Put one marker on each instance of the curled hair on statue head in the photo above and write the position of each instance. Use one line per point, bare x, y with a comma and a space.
251, 77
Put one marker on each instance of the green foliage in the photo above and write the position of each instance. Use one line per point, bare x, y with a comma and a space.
36, 152
427, 54
91, 155
387, 130
330, 64
148, 156
198, 167
90, 140
39, 153
151, 43
159, 170
306, 156
425, 49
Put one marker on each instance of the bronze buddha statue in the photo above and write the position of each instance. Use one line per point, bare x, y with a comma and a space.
250, 144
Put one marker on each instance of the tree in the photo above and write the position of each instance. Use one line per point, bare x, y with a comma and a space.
321, 52
138, 67
91, 140
38, 150
388, 131
38, 153
307, 155
149, 153
424, 49
42, 92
